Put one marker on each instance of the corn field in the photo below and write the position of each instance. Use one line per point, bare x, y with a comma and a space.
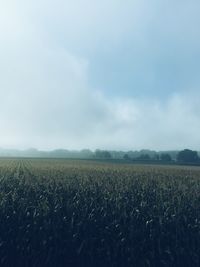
82, 213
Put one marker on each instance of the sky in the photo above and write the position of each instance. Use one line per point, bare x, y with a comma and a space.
106, 74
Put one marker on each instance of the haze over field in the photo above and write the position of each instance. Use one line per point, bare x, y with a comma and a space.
100, 74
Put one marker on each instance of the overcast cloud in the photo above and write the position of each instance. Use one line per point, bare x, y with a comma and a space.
99, 74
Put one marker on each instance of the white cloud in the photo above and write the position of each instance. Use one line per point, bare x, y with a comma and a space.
45, 92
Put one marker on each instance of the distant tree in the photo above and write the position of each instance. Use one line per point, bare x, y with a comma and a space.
165, 157
107, 155
86, 153
126, 157
144, 157
103, 154
188, 156
156, 157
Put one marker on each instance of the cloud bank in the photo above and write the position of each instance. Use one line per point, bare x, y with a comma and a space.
47, 98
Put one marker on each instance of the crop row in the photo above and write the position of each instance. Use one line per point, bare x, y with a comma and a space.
80, 213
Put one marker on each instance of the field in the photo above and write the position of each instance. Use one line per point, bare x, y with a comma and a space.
82, 213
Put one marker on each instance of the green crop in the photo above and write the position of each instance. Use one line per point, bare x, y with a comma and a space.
82, 213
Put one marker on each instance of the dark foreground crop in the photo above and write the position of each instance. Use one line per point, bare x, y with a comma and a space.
71, 213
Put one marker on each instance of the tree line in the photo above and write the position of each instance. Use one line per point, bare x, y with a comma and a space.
183, 157
186, 156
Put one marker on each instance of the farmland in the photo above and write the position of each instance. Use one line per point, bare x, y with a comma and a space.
82, 213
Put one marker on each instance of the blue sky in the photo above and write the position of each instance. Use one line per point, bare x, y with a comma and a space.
100, 74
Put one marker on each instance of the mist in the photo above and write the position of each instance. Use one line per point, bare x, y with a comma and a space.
64, 70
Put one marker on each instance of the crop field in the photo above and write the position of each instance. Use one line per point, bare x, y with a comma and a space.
87, 213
